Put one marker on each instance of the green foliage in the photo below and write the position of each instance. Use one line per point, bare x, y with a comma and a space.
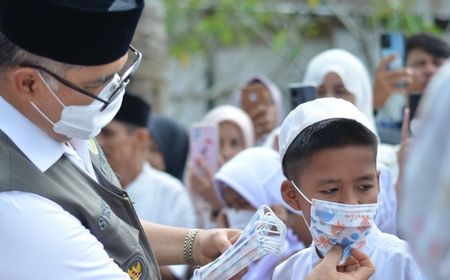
202, 26
400, 17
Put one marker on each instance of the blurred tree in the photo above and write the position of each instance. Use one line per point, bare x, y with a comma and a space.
202, 26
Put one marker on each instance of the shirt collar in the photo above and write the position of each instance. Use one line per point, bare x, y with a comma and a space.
37, 145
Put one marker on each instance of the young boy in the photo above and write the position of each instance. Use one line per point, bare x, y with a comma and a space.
329, 156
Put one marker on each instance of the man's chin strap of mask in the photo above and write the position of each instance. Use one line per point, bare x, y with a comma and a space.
342, 224
265, 233
54, 95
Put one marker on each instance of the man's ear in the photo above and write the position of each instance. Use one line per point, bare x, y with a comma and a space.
142, 136
289, 195
25, 82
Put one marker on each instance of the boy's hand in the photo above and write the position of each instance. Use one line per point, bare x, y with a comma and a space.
359, 269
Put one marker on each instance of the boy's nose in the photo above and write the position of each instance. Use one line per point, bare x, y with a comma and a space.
348, 197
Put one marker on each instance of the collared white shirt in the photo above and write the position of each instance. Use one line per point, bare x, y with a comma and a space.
389, 254
38, 238
160, 198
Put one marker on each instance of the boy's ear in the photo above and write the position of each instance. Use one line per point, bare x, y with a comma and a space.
289, 195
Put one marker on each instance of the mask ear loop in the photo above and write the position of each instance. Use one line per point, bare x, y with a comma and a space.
307, 199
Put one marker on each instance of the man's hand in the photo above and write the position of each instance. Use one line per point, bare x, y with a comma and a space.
388, 82
210, 244
361, 268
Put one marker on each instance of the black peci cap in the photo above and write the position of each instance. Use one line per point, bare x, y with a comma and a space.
80, 32
134, 110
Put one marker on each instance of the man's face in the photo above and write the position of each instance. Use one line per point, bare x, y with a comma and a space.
423, 66
345, 175
119, 145
30, 87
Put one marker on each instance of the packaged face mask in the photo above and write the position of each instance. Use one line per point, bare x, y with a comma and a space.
264, 234
343, 224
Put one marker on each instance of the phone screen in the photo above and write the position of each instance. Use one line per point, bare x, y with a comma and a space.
393, 43
301, 93
254, 95
204, 143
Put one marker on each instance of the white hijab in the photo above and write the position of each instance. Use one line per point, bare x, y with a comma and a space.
274, 91
256, 175
425, 211
352, 72
235, 115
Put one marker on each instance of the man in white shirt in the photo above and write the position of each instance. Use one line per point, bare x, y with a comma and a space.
157, 196
64, 66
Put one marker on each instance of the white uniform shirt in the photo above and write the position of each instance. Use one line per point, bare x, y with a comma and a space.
389, 254
160, 198
39, 239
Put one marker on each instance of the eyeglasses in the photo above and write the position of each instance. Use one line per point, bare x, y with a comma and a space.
123, 81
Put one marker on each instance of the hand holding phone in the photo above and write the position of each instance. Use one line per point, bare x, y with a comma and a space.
204, 144
393, 43
254, 95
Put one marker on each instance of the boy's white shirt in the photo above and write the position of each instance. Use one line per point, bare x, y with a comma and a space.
389, 254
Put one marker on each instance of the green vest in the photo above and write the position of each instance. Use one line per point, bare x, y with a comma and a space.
103, 208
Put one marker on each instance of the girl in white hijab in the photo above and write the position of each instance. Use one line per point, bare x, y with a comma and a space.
235, 135
338, 73
264, 118
244, 184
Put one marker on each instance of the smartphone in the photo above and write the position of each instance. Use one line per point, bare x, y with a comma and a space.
253, 96
301, 93
393, 43
414, 100
204, 143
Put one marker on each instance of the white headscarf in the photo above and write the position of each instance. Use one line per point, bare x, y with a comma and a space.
256, 175
235, 115
425, 211
274, 91
352, 72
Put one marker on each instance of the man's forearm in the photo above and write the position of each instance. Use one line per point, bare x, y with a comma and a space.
166, 242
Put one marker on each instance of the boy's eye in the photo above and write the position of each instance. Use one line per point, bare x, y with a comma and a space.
329, 191
364, 188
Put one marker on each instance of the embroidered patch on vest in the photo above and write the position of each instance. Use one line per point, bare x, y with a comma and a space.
92, 147
136, 268
105, 216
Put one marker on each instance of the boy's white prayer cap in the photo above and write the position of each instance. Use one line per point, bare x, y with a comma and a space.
315, 111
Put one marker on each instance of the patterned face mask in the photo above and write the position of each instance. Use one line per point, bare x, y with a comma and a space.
264, 234
336, 223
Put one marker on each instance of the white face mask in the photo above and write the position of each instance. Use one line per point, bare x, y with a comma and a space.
86, 121
238, 219
338, 223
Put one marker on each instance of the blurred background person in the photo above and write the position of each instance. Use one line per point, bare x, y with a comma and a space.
157, 197
235, 131
267, 111
425, 206
424, 55
168, 146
